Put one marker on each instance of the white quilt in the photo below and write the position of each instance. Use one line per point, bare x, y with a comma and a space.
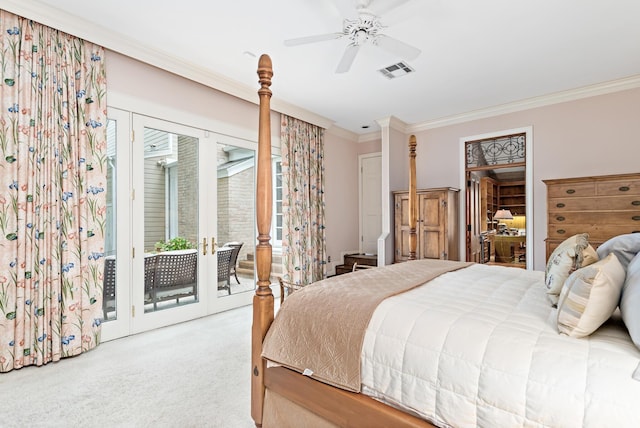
480, 347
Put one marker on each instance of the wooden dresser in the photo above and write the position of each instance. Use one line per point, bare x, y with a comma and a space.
603, 207
437, 226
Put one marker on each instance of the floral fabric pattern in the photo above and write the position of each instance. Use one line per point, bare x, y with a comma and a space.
303, 241
52, 193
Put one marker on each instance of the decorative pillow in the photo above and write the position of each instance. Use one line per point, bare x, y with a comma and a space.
590, 296
571, 254
630, 301
625, 247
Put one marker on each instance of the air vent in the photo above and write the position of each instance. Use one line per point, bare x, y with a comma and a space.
396, 70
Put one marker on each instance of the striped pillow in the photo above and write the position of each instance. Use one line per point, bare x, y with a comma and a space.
590, 296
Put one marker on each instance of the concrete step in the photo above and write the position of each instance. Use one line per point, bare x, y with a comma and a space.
275, 258
246, 267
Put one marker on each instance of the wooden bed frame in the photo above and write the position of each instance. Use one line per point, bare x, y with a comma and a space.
334, 405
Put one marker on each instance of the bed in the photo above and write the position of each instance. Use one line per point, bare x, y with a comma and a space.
434, 343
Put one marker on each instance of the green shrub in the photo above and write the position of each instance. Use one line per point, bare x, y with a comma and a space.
177, 243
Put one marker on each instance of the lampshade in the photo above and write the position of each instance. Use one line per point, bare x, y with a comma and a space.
503, 214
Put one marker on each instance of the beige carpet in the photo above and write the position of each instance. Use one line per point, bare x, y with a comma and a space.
194, 374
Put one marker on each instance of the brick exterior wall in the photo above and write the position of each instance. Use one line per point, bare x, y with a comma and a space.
236, 208
188, 188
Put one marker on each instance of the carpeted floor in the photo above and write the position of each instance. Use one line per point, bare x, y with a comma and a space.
194, 374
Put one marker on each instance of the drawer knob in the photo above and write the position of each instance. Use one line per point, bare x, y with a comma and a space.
635, 203
623, 188
561, 205
636, 218
560, 218
571, 191
561, 231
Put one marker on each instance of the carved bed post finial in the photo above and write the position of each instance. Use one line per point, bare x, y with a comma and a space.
413, 203
263, 299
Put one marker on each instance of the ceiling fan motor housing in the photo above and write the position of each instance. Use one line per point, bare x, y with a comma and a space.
362, 29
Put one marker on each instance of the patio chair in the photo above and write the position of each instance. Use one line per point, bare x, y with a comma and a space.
233, 263
224, 267
109, 286
176, 275
150, 262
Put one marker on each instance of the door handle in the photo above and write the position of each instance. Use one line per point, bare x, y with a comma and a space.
204, 246
214, 245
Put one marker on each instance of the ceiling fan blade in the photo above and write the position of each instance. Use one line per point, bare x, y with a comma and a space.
343, 8
380, 7
347, 58
312, 39
396, 47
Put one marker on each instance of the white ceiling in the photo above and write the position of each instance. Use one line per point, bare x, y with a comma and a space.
476, 54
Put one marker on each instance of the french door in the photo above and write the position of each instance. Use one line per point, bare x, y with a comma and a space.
163, 240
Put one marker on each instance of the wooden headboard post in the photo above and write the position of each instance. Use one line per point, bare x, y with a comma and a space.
413, 202
263, 299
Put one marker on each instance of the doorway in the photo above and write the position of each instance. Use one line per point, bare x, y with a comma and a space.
498, 210
370, 181
180, 198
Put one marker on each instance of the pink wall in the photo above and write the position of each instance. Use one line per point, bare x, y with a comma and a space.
163, 89
341, 196
592, 136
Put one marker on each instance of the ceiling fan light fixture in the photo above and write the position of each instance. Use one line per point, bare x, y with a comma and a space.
396, 70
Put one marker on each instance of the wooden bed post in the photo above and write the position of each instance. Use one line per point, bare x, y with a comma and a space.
263, 299
413, 203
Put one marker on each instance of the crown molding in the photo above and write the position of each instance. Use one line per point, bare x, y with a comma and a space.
392, 122
603, 88
76, 26
369, 136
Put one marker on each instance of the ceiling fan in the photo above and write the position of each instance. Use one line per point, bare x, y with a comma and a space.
366, 28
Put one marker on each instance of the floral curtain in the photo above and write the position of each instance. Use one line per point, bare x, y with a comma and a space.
303, 241
52, 199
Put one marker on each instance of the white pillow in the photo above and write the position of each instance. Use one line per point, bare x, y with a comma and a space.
590, 296
573, 253
630, 300
625, 247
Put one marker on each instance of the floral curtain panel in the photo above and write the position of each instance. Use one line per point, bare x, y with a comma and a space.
52, 199
303, 241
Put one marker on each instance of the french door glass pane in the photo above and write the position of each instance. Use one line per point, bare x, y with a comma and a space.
236, 221
170, 219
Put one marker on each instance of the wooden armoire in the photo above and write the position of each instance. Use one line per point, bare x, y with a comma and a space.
437, 227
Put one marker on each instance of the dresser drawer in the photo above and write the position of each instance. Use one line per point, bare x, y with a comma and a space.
629, 218
596, 231
622, 187
571, 190
602, 203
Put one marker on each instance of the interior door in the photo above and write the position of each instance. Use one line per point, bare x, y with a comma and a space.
370, 202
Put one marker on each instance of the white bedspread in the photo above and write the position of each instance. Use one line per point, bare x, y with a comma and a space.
479, 347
